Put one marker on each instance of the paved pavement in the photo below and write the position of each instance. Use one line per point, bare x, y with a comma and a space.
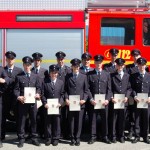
11, 144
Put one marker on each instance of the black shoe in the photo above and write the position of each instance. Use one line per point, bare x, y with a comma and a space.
77, 143
1, 145
129, 137
146, 140
114, 140
47, 142
122, 140
91, 141
36, 142
137, 139
106, 140
72, 142
21, 143
55, 143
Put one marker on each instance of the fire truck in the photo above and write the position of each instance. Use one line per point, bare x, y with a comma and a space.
48, 26
121, 24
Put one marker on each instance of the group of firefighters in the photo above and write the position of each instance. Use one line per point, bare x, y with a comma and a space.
61, 81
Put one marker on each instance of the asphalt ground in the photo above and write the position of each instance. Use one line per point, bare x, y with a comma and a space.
11, 141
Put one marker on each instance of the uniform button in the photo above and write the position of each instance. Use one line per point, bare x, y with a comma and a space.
142, 83
120, 90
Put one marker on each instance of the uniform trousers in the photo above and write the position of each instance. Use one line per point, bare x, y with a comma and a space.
76, 119
23, 111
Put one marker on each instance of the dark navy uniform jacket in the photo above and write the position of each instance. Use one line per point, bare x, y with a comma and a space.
77, 86
100, 86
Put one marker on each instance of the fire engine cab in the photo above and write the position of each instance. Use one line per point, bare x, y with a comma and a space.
121, 24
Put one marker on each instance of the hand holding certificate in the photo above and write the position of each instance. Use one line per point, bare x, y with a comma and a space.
119, 101
29, 94
143, 98
74, 103
100, 100
53, 108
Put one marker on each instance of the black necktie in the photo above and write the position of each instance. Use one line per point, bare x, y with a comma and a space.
75, 76
28, 75
36, 71
87, 69
9, 72
53, 85
99, 74
142, 76
120, 76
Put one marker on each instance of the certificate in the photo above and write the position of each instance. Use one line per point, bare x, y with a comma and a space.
29, 94
99, 99
53, 106
143, 97
39, 103
120, 101
74, 103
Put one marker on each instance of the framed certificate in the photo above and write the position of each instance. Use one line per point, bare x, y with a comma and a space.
143, 97
74, 103
119, 104
99, 99
53, 106
39, 103
29, 94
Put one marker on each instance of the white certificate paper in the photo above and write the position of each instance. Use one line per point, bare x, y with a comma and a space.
99, 99
74, 103
119, 104
143, 97
29, 94
39, 103
53, 106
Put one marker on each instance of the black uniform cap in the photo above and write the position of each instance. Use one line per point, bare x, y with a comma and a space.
53, 68
114, 51
135, 52
60, 55
98, 58
86, 56
27, 60
75, 62
141, 61
10, 55
37, 56
120, 61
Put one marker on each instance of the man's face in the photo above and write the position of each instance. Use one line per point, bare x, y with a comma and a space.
141, 67
60, 61
98, 64
135, 57
10, 62
119, 67
113, 57
145, 27
75, 68
53, 75
27, 67
37, 62
86, 62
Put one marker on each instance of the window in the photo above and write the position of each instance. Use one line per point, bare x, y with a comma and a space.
117, 31
146, 31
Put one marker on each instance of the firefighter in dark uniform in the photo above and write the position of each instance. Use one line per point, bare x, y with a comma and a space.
132, 69
120, 85
52, 88
63, 71
42, 73
111, 67
99, 83
85, 68
76, 84
140, 83
4, 81
9, 103
26, 79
